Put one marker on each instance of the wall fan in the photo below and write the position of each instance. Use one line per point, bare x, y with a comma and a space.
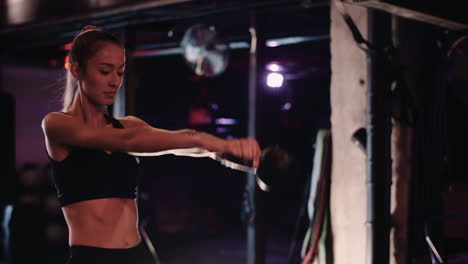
204, 52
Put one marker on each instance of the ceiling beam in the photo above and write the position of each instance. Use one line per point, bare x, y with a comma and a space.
109, 12
410, 13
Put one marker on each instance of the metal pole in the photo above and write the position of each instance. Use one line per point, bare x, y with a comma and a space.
252, 93
379, 164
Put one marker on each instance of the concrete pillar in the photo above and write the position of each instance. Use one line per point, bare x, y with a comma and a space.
348, 103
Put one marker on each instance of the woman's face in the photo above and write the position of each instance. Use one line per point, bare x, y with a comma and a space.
104, 74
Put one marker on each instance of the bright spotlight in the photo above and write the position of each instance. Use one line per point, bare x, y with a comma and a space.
275, 80
273, 67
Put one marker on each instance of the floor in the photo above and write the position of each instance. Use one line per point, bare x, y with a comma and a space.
223, 248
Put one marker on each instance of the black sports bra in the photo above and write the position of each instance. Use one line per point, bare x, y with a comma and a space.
88, 174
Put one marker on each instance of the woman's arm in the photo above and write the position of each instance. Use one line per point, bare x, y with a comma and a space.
137, 136
245, 148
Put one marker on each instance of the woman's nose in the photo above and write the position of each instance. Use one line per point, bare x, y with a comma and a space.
115, 80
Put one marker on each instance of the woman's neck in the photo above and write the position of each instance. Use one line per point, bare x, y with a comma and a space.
88, 112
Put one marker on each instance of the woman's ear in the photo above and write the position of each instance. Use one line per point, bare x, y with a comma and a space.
75, 71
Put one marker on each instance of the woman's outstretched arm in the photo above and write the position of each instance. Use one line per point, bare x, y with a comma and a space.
138, 136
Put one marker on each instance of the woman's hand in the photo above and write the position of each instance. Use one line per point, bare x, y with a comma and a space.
245, 148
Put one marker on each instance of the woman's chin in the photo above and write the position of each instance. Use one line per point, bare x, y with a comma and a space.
108, 101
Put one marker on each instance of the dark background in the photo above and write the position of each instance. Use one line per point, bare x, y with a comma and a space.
194, 206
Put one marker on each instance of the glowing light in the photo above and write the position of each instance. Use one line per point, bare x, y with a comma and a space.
222, 130
286, 106
215, 106
275, 80
273, 67
272, 44
20, 11
226, 121
67, 46
67, 62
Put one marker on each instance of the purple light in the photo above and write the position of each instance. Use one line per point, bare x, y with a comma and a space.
275, 80
225, 121
286, 106
222, 130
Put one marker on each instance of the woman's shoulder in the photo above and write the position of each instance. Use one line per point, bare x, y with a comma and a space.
54, 120
54, 116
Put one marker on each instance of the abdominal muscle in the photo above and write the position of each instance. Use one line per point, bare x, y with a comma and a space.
105, 223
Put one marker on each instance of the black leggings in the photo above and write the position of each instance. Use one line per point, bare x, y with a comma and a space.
95, 255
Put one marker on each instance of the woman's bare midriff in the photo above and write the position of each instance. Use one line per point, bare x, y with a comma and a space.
105, 223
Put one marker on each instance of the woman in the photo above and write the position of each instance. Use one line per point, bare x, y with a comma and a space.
93, 174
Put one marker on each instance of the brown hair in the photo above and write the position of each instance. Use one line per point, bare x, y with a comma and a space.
84, 46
